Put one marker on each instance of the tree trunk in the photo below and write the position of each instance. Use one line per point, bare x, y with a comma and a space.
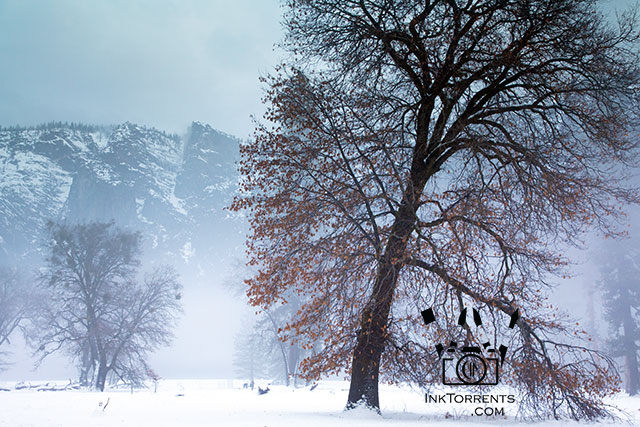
86, 365
251, 366
370, 343
631, 355
371, 340
631, 360
283, 353
102, 376
293, 362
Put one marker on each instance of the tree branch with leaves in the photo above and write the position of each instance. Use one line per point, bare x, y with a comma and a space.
441, 153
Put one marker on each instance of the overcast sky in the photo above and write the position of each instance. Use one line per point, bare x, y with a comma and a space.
156, 62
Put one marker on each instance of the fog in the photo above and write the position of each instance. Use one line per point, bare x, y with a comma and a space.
154, 63
163, 64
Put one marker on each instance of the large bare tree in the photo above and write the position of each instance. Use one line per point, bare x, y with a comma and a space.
441, 153
97, 309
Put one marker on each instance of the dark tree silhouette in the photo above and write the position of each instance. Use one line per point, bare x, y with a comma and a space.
620, 283
440, 153
97, 309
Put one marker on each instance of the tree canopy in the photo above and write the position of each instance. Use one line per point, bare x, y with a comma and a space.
97, 308
441, 154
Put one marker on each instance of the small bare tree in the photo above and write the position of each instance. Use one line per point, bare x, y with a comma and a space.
264, 346
96, 309
14, 305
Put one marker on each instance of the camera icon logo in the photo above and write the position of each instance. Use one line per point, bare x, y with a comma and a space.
470, 365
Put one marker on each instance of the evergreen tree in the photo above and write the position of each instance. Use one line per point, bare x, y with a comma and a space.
620, 283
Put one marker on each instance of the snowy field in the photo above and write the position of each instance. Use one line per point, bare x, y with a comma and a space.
225, 403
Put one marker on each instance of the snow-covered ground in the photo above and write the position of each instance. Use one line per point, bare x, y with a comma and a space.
225, 403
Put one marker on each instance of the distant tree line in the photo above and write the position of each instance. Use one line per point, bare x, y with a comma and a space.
79, 127
261, 348
262, 352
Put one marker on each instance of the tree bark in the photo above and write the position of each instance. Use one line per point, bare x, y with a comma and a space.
370, 343
365, 367
86, 365
631, 355
102, 375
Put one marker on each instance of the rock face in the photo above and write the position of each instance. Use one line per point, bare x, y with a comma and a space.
172, 189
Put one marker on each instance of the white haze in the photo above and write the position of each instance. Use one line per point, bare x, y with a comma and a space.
163, 64
150, 62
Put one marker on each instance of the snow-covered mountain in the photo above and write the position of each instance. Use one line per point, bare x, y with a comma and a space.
173, 189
